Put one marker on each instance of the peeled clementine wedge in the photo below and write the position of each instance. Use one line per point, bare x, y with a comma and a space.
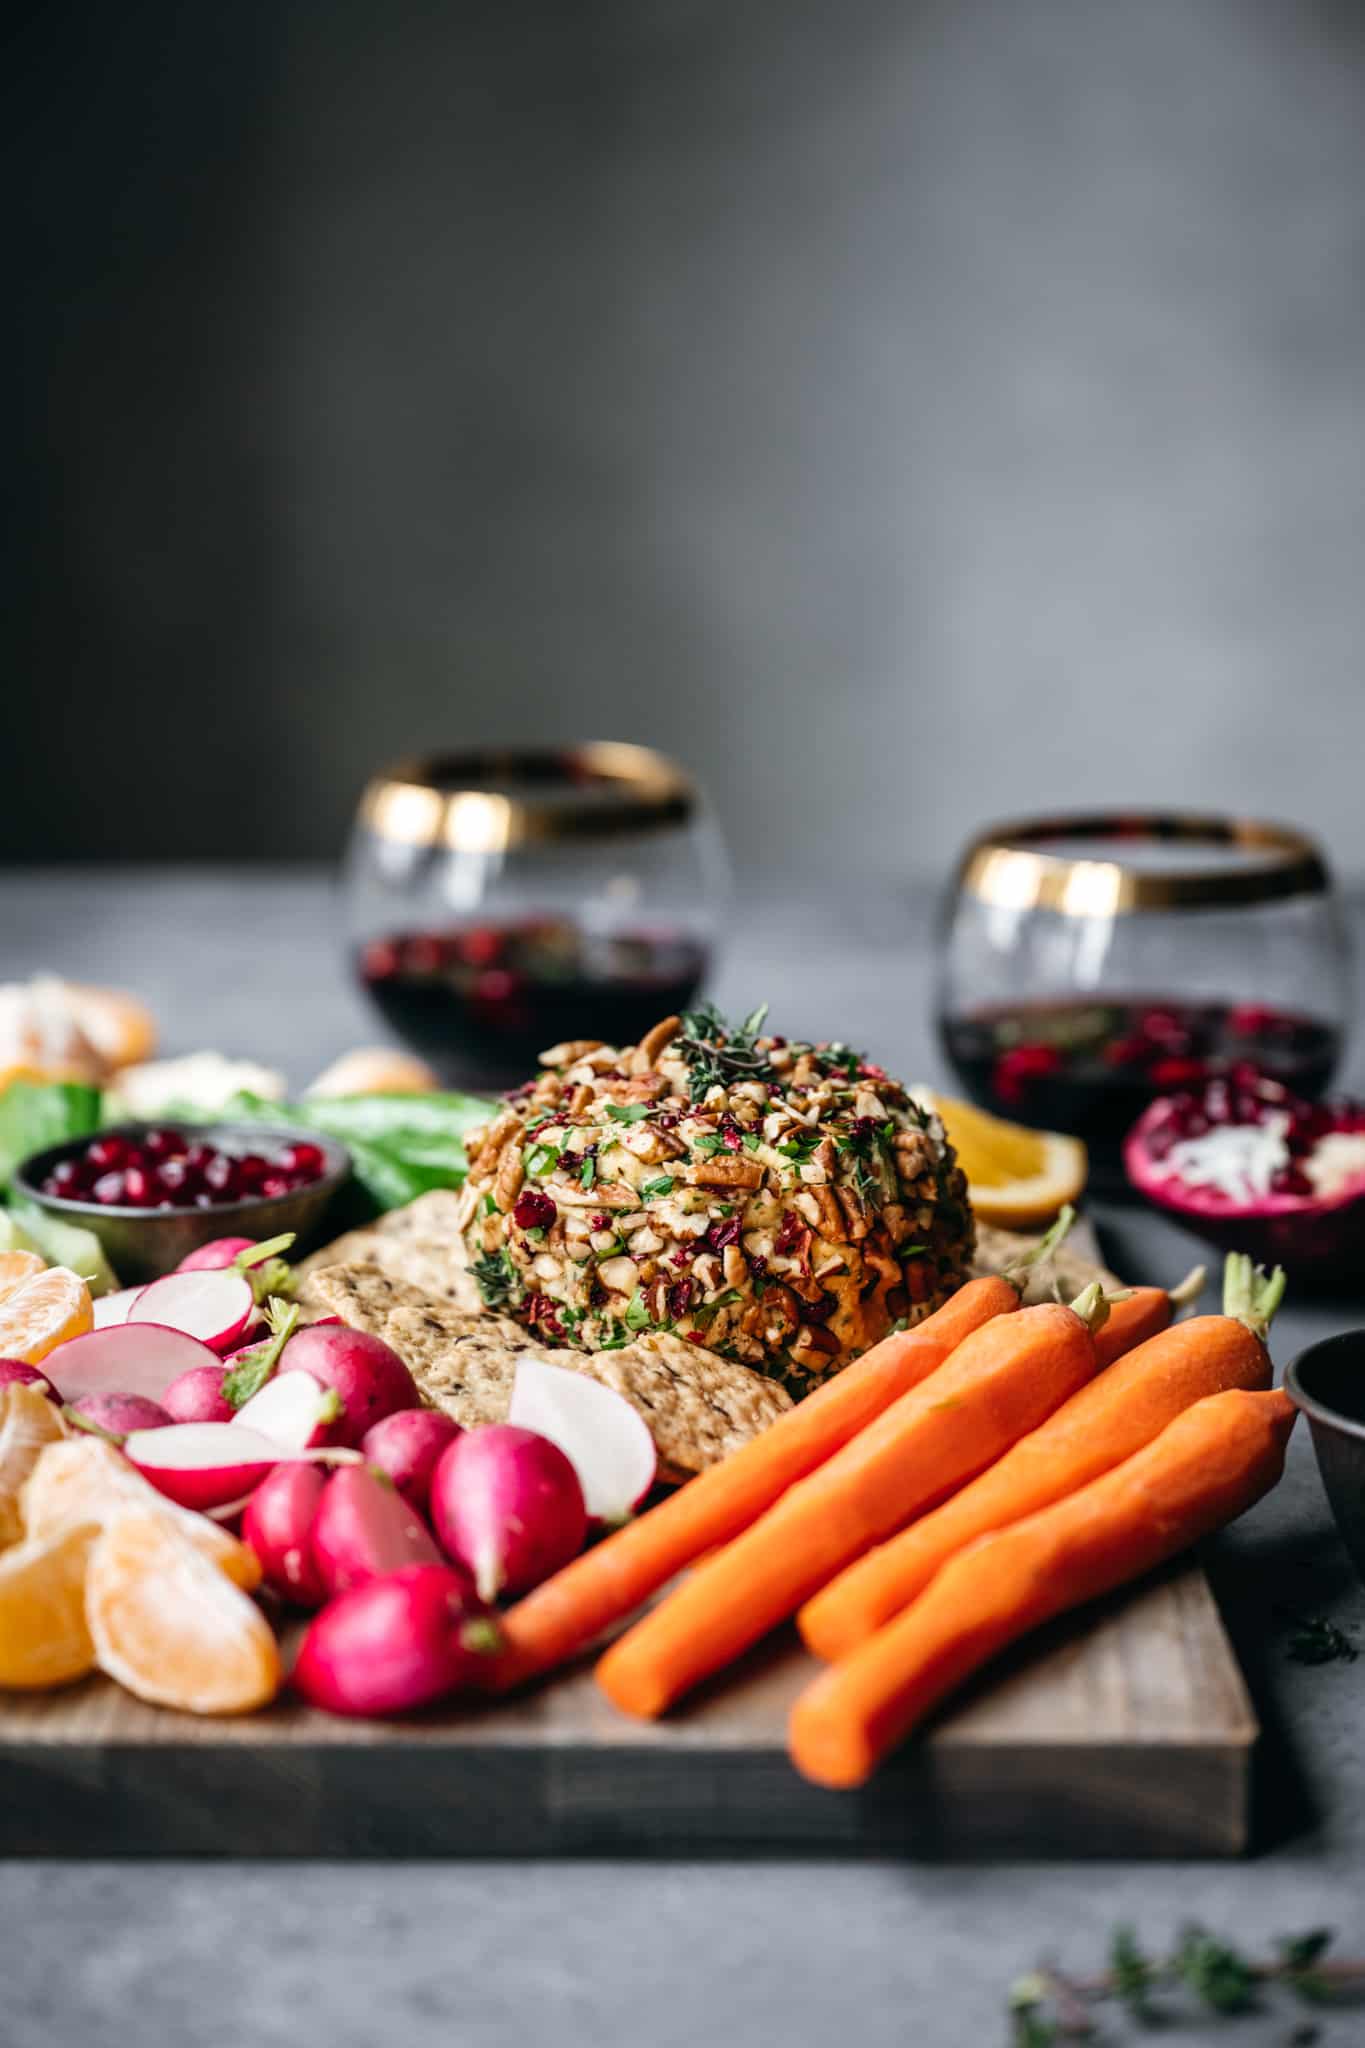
16, 1268
44, 1312
1015, 1176
28, 1424
44, 1636
168, 1626
88, 1480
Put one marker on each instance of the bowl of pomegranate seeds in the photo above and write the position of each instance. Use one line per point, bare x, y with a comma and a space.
153, 1193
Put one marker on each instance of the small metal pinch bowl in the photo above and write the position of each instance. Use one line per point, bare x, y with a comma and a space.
1327, 1381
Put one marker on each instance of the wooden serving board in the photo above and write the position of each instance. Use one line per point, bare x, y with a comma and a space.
1125, 1732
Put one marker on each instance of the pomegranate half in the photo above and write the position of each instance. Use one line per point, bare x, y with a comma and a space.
1246, 1164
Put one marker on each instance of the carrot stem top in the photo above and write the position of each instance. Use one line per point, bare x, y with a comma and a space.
1018, 1270
1092, 1306
1250, 1294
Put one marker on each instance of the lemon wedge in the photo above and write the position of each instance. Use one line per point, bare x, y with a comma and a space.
1015, 1176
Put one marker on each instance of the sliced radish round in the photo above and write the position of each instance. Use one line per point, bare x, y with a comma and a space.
128, 1358
602, 1436
203, 1464
114, 1308
293, 1409
214, 1305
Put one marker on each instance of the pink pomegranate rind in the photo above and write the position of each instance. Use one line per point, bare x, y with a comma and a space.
1288, 1220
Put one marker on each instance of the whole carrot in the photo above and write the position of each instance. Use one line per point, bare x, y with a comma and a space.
998, 1384
1116, 1414
1206, 1467
1140, 1313
607, 1583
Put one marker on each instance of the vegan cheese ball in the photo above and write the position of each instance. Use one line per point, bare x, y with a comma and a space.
782, 1204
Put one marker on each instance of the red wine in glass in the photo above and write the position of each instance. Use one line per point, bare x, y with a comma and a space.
481, 1002
1092, 1066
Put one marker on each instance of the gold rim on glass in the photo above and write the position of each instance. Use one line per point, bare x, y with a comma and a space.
484, 802
1006, 868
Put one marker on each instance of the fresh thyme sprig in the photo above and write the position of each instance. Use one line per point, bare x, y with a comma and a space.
1046, 2008
1313, 1639
717, 1056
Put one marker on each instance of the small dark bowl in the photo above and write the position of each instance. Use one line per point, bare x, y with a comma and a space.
142, 1244
1327, 1381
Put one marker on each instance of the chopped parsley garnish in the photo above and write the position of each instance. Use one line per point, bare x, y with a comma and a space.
663, 1185
838, 1059
637, 1316
628, 1112
752, 1141
710, 1309
799, 1146
490, 1207
587, 1172
496, 1278
542, 1158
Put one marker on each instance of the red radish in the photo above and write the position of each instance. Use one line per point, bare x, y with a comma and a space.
603, 1437
364, 1529
295, 1410
114, 1308
405, 1447
197, 1396
15, 1372
218, 1253
278, 1525
215, 1307
129, 1358
203, 1464
397, 1643
121, 1414
370, 1378
507, 1504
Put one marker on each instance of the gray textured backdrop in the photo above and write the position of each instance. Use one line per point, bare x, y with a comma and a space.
902, 411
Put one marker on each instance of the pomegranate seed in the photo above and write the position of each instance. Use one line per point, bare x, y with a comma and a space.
108, 1188
64, 1178
161, 1144
139, 1186
104, 1153
534, 1210
481, 947
304, 1157
220, 1174
177, 1177
199, 1155
276, 1184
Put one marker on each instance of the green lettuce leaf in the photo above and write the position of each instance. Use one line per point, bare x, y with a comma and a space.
36, 1114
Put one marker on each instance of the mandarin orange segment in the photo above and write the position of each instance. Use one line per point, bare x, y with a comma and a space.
16, 1268
29, 1423
88, 1480
44, 1636
44, 1312
170, 1628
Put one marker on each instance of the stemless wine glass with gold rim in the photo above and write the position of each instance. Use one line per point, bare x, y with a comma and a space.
500, 902
1089, 963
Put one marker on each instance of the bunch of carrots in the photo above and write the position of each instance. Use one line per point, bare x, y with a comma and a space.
957, 1486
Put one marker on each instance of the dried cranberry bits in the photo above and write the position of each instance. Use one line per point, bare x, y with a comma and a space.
166, 1169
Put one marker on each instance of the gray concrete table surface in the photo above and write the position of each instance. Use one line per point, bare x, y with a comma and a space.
494, 1955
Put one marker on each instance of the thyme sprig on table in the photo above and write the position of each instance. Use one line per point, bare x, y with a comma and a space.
1313, 1639
1047, 2008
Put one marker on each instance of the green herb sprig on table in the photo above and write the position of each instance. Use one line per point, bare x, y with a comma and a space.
1313, 1639
1047, 2008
